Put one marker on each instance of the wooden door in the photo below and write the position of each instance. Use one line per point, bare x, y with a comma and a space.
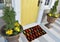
29, 11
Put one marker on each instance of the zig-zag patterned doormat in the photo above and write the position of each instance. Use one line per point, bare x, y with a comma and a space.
34, 32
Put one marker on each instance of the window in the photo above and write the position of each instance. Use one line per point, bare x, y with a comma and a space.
1, 4
1, 1
47, 2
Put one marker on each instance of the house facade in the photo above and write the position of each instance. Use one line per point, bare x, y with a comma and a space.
30, 13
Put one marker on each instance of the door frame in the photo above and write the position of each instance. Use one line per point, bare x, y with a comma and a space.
17, 7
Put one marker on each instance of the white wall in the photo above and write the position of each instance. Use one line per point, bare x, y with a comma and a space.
58, 8
17, 7
1, 13
40, 12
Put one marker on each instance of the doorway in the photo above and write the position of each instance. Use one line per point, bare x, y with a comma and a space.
29, 11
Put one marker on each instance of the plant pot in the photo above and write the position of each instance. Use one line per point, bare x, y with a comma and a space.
13, 38
51, 19
10, 38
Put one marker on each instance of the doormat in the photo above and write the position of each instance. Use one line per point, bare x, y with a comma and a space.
34, 32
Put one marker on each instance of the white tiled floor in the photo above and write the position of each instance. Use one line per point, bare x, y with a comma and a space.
55, 28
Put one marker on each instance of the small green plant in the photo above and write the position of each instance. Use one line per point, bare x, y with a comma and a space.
9, 17
12, 26
53, 10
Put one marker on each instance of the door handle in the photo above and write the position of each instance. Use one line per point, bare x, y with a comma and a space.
39, 1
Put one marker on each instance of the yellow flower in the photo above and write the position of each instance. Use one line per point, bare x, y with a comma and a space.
56, 15
50, 14
9, 32
16, 24
17, 29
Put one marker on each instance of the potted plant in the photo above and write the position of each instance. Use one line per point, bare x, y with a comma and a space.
52, 16
11, 31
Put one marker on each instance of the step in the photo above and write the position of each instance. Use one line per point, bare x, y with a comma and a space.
58, 19
56, 27
23, 38
51, 32
46, 38
20, 40
36, 40
57, 22
55, 33
2, 39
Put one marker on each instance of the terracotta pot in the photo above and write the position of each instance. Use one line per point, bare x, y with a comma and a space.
10, 38
13, 38
51, 19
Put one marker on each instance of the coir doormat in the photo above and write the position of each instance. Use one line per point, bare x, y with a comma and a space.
34, 32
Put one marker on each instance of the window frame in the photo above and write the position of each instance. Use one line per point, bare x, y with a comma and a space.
51, 3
